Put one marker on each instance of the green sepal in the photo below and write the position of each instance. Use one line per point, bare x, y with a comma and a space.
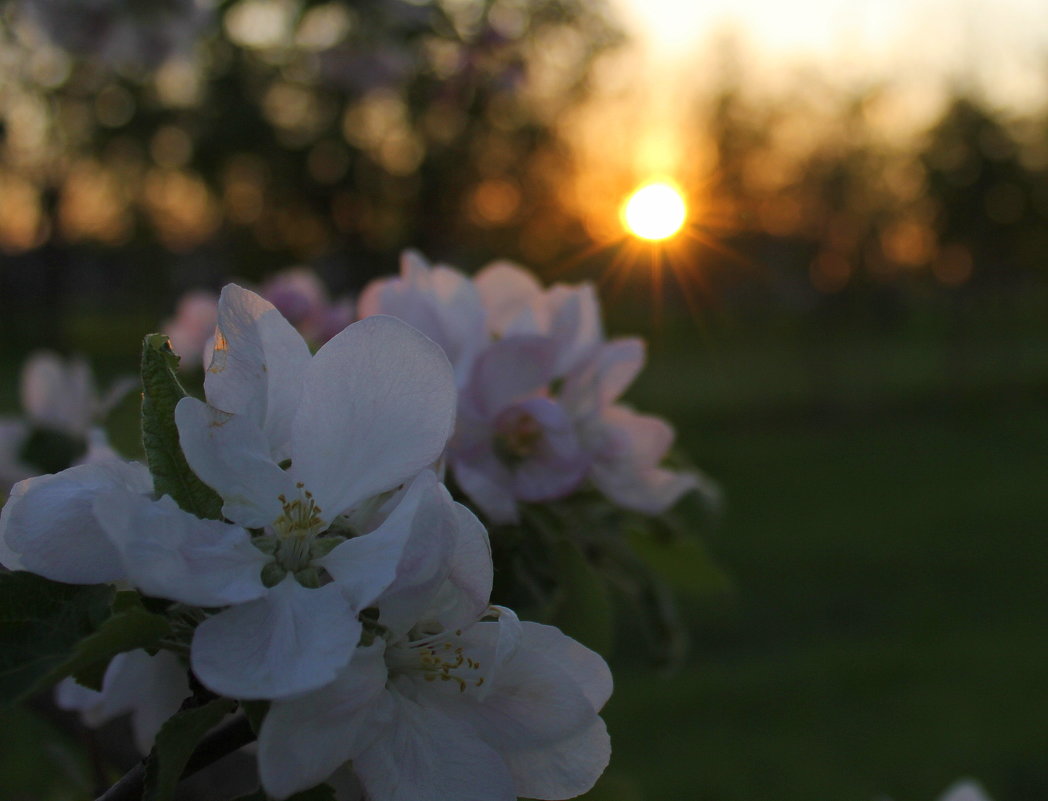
161, 392
175, 743
42, 624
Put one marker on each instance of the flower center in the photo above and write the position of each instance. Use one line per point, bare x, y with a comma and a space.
295, 540
517, 436
436, 659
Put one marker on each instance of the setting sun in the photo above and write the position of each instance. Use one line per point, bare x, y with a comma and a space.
656, 211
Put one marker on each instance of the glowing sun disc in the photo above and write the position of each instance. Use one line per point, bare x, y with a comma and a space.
654, 212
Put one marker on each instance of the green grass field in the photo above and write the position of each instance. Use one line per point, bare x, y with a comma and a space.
887, 534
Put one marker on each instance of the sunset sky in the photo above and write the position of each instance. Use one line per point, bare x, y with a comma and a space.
1002, 45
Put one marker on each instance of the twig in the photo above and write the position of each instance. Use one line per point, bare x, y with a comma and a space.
224, 740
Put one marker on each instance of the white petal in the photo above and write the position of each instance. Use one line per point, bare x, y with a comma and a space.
467, 590
304, 740
400, 565
231, 455
50, 526
421, 755
152, 688
530, 699
563, 769
290, 641
584, 667
169, 553
965, 790
378, 406
58, 394
257, 365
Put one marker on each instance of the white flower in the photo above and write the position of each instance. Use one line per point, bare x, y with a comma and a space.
368, 413
61, 409
448, 700
965, 790
150, 688
48, 526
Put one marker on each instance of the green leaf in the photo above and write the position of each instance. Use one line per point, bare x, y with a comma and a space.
125, 630
41, 625
161, 392
583, 609
175, 744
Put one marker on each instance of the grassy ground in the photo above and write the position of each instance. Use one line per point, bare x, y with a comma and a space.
887, 538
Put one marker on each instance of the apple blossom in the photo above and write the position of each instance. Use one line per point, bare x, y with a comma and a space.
292, 443
538, 411
62, 408
448, 699
150, 688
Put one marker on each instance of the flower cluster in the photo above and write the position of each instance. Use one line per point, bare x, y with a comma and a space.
299, 544
539, 389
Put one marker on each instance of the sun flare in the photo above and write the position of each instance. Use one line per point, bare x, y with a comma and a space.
654, 212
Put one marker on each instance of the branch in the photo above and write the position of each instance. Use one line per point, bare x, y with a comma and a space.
224, 740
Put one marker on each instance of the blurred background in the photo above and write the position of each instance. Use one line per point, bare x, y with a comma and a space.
847, 323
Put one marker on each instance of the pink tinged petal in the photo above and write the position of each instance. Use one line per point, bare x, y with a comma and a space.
511, 295
230, 454
564, 769
509, 371
304, 740
290, 641
400, 565
193, 326
169, 553
49, 524
601, 379
257, 365
422, 755
626, 467
378, 406
487, 482
574, 323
